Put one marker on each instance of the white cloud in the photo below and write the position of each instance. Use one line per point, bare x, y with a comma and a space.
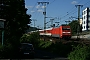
74, 2
38, 6
28, 6
43, 6
40, 10
32, 11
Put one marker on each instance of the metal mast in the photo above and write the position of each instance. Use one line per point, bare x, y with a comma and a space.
44, 13
78, 29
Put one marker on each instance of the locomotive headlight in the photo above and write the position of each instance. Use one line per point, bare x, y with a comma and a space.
66, 32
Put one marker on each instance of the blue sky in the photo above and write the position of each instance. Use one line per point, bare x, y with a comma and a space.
59, 10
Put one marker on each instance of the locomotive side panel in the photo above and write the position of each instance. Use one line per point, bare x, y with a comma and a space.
60, 32
56, 32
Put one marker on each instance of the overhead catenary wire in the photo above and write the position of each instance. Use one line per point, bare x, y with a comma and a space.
35, 10
70, 12
73, 12
35, 14
38, 12
34, 5
49, 2
32, 13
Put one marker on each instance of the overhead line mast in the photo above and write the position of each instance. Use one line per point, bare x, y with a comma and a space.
78, 29
44, 13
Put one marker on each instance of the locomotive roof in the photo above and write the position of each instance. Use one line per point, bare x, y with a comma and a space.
46, 29
64, 25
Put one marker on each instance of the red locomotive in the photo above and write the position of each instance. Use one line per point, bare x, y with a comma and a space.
63, 31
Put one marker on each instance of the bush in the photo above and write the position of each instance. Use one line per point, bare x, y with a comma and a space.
30, 38
44, 44
61, 49
6, 51
81, 52
58, 48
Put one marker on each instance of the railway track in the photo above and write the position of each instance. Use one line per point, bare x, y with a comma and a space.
64, 41
83, 39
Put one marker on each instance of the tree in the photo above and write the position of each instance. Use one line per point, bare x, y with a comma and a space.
74, 26
80, 52
32, 38
14, 12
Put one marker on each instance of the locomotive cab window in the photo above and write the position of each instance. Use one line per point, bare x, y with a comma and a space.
65, 28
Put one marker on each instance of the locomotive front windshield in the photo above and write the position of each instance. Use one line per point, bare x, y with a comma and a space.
65, 28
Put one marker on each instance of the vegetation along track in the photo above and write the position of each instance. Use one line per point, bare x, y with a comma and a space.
78, 40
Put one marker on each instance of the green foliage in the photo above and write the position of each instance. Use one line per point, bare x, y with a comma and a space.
24, 38
61, 49
30, 38
74, 26
6, 51
81, 52
14, 12
45, 44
